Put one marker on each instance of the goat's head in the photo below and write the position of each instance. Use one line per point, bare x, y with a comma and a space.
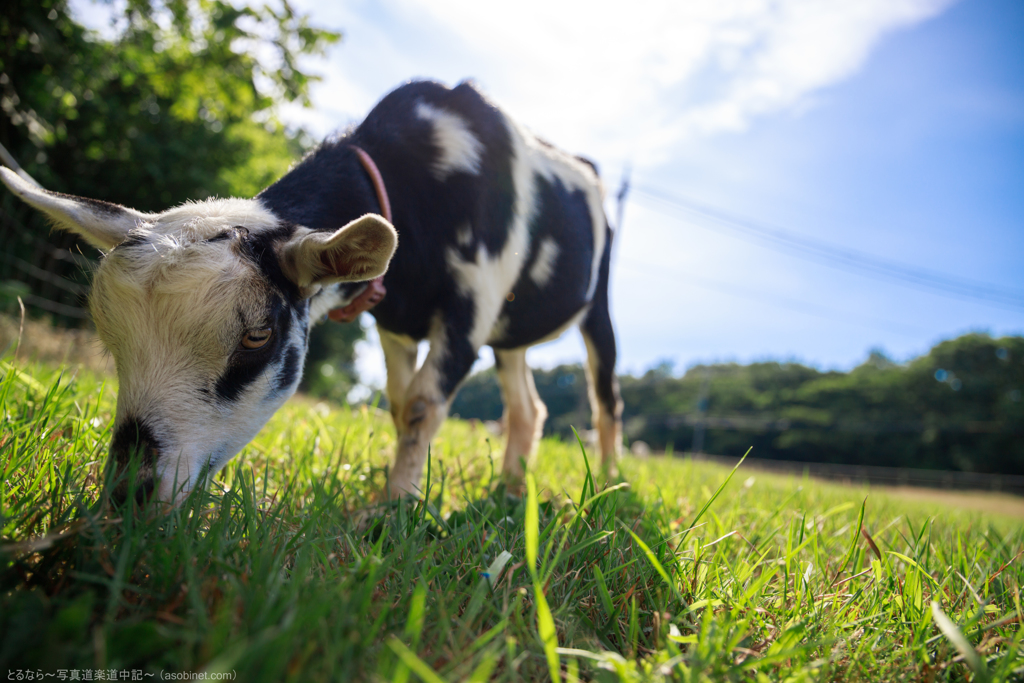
205, 309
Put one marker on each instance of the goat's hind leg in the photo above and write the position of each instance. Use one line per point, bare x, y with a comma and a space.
603, 385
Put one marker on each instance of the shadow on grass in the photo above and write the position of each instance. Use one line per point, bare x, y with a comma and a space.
296, 586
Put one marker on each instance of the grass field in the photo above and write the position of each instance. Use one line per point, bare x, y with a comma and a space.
285, 571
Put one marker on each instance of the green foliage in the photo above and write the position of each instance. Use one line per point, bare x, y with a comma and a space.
564, 390
284, 571
330, 363
959, 407
180, 105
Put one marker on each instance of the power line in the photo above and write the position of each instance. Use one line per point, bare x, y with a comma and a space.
803, 308
759, 422
828, 254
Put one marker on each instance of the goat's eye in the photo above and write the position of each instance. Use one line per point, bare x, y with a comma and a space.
254, 339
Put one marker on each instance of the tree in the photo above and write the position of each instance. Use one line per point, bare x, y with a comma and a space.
331, 360
178, 106
181, 104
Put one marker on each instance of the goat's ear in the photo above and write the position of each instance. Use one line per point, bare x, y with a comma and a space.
101, 224
358, 251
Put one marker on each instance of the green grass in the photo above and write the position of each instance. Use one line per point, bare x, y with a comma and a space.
285, 571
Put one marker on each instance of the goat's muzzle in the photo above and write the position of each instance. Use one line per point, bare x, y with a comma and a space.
133, 456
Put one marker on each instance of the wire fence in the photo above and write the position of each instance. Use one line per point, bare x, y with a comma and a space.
50, 274
759, 423
884, 476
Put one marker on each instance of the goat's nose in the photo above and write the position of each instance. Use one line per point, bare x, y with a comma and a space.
143, 491
134, 440
134, 449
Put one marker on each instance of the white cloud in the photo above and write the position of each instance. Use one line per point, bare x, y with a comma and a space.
648, 84
620, 84
640, 82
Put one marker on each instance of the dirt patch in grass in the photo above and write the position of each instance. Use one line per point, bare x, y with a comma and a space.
980, 501
42, 342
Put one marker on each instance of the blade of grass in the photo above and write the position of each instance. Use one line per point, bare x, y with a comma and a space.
712, 499
853, 543
586, 462
956, 637
409, 658
653, 560
482, 673
530, 525
545, 622
546, 629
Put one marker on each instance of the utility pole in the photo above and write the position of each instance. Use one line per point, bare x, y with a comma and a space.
620, 210
620, 198
702, 408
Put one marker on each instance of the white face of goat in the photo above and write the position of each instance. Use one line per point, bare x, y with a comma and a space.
204, 308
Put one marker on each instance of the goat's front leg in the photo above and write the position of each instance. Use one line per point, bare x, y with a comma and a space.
426, 404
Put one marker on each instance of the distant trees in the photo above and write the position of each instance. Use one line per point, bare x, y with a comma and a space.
957, 408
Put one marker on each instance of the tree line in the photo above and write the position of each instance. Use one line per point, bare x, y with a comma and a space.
958, 407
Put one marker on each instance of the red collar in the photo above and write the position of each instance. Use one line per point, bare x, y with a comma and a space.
378, 181
374, 292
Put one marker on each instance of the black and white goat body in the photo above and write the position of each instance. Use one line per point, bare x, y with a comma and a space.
501, 240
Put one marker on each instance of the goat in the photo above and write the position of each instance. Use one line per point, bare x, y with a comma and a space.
206, 307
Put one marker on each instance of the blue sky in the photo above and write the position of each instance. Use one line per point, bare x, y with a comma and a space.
894, 128
917, 158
